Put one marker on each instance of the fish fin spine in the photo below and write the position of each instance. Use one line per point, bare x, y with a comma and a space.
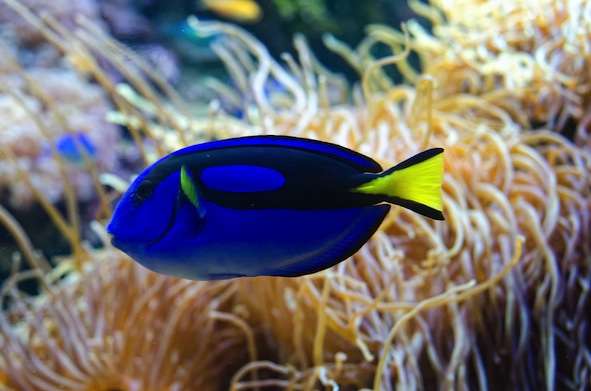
414, 184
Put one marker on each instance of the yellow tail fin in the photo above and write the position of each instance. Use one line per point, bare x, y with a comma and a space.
414, 183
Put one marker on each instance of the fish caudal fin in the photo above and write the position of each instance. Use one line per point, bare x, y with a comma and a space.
414, 184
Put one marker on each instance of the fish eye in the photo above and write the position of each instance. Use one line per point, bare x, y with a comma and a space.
143, 191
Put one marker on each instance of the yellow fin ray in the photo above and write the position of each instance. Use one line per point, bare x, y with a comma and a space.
415, 183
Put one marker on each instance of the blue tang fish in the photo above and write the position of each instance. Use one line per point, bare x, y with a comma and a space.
70, 146
265, 205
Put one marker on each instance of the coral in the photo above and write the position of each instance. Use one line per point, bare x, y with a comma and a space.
64, 11
38, 107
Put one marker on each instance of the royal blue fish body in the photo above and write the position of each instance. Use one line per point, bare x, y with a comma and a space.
262, 205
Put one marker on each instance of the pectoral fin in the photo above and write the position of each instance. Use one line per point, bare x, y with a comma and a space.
190, 191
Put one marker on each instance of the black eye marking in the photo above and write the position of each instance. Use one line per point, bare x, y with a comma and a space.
143, 191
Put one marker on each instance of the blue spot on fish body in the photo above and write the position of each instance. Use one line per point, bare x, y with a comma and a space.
242, 178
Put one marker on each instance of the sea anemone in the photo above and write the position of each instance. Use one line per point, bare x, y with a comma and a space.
117, 326
541, 50
529, 57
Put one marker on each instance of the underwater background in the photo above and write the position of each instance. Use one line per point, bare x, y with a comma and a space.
494, 297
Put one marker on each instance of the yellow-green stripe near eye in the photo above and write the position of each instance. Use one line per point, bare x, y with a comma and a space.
188, 187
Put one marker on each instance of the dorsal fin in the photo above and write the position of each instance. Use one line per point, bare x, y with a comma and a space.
359, 161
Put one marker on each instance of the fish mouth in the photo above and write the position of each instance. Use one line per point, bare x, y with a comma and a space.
115, 241
122, 241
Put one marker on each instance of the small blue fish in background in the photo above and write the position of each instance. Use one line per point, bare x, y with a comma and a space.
71, 145
265, 205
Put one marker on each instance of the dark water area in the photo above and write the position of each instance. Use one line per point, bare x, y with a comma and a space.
45, 238
347, 20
